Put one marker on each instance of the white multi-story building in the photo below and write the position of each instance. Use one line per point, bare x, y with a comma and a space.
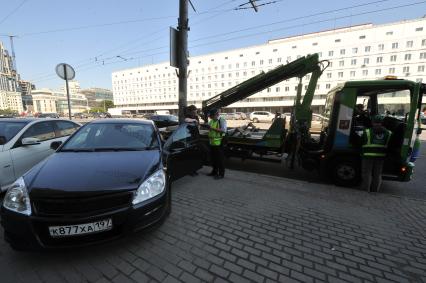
44, 101
11, 100
362, 52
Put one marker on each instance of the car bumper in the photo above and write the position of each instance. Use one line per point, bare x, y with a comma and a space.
32, 232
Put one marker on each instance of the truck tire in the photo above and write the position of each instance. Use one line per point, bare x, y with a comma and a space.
255, 120
346, 171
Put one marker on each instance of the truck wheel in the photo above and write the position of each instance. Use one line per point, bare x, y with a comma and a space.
255, 120
346, 172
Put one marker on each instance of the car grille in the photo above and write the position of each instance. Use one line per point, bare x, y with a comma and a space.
81, 205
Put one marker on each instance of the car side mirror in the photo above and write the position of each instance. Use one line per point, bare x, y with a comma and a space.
30, 141
2, 140
55, 145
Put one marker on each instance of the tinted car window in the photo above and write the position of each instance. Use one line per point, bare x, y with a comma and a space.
113, 135
42, 131
180, 138
64, 128
9, 129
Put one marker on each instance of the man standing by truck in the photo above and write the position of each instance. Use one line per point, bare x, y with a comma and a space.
217, 131
374, 148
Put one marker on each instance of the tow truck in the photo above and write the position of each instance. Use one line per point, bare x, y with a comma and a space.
348, 110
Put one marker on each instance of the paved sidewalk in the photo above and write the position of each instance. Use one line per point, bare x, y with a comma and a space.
250, 227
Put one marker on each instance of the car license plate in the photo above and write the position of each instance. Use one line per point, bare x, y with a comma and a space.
80, 229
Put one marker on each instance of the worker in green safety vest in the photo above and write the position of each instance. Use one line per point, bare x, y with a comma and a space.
374, 149
217, 131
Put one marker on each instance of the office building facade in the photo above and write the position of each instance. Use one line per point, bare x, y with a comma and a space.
363, 52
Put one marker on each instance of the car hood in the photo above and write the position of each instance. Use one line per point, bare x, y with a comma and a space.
92, 172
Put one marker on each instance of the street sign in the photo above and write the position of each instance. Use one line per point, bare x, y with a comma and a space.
65, 71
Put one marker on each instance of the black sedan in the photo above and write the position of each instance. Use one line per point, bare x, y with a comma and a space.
162, 121
109, 178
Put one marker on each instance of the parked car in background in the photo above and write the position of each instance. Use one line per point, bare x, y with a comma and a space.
48, 115
81, 115
111, 178
162, 121
261, 116
242, 116
230, 116
101, 115
26, 142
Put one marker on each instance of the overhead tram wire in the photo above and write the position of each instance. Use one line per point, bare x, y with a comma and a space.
289, 27
293, 19
13, 11
310, 23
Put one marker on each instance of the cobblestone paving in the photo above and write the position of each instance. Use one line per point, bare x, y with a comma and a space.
250, 227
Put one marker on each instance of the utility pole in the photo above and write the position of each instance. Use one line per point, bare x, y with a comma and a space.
183, 57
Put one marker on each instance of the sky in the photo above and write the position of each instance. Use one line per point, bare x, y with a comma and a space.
98, 37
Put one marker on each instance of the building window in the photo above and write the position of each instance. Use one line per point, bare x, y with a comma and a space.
419, 29
419, 80
423, 42
389, 33
294, 47
406, 69
421, 68
342, 51
253, 63
378, 71
261, 62
367, 49
327, 86
379, 59
286, 88
279, 60
340, 74
423, 55
409, 44
328, 75
352, 74
275, 50
341, 63
391, 70
362, 37
364, 72
395, 45
355, 50
381, 47
393, 58
270, 61
337, 40
407, 57
366, 61
268, 89
353, 62
277, 89
315, 43
330, 53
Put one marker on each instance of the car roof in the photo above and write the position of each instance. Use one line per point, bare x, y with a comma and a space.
122, 121
26, 120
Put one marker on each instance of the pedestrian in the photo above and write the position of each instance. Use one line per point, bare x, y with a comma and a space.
191, 116
374, 148
217, 131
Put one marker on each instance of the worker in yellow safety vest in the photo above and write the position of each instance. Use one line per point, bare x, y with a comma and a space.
217, 131
374, 149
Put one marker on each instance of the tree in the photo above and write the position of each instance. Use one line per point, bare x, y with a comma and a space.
7, 111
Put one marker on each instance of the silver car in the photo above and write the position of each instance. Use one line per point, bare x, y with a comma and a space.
26, 142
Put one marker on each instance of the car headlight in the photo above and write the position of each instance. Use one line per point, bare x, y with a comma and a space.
17, 198
151, 187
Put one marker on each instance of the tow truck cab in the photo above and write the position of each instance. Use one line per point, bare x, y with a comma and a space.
348, 111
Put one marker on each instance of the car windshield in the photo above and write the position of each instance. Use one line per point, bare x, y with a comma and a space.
9, 129
113, 136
